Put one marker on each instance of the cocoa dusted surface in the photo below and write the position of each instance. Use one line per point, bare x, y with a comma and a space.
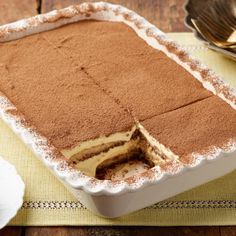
198, 127
141, 78
55, 95
77, 82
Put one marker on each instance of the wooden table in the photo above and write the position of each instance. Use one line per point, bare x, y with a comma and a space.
168, 15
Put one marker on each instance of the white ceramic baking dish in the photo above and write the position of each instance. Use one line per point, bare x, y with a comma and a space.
105, 197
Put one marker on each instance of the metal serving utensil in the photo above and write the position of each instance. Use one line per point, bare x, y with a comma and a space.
218, 23
225, 10
212, 37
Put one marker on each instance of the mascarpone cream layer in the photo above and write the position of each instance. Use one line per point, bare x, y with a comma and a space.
116, 137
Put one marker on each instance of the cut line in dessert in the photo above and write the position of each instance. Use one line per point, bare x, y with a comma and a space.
180, 107
195, 93
83, 69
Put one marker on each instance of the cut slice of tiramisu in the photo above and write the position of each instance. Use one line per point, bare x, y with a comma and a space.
198, 129
110, 103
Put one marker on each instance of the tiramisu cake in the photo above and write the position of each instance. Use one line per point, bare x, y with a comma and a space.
110, 103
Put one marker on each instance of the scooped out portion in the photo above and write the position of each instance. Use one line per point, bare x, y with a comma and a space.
119, 159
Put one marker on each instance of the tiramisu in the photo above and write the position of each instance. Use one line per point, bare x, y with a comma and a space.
110, 103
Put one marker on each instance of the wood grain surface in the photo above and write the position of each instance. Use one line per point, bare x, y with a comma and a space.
12, 10
120, 231
168, 15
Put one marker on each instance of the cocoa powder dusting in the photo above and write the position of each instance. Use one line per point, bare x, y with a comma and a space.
90, 79
55, 95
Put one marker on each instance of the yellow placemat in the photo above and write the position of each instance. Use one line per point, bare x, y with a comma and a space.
47, 202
